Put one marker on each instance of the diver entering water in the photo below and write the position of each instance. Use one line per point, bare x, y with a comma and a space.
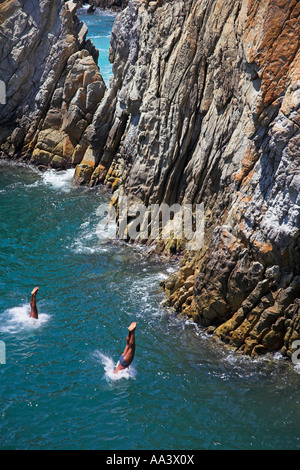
128, 354
33, 307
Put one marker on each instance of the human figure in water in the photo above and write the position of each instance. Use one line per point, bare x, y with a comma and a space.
33, 307
127, 357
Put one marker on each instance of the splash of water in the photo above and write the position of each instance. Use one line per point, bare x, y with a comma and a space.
17, 318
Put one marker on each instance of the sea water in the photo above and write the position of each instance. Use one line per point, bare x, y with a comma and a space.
99, 26
58, 390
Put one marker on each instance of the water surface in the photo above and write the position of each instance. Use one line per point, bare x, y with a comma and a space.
99, 26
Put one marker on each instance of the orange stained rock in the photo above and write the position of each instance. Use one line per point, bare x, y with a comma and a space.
248, 178
248, 162
6, 9
68, 147
246, 199
225, 233
264, 247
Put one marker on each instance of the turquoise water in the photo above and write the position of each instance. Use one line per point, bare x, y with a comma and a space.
99, 26
183, 391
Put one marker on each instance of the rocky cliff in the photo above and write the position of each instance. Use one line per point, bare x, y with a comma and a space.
53, 85
203, 108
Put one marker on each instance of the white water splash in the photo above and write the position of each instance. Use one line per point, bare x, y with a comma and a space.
109, 367
83, 10
59, 179
16, 319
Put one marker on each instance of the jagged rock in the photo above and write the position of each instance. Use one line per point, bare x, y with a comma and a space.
81, 88
53, 85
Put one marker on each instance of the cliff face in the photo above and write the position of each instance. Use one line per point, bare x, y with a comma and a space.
52, 83
203, 108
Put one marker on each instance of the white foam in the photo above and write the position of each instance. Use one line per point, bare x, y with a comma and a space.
82, 9
90, 239
109, 367
173, 269
17, 319
107, 36
81, 244
59, 179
